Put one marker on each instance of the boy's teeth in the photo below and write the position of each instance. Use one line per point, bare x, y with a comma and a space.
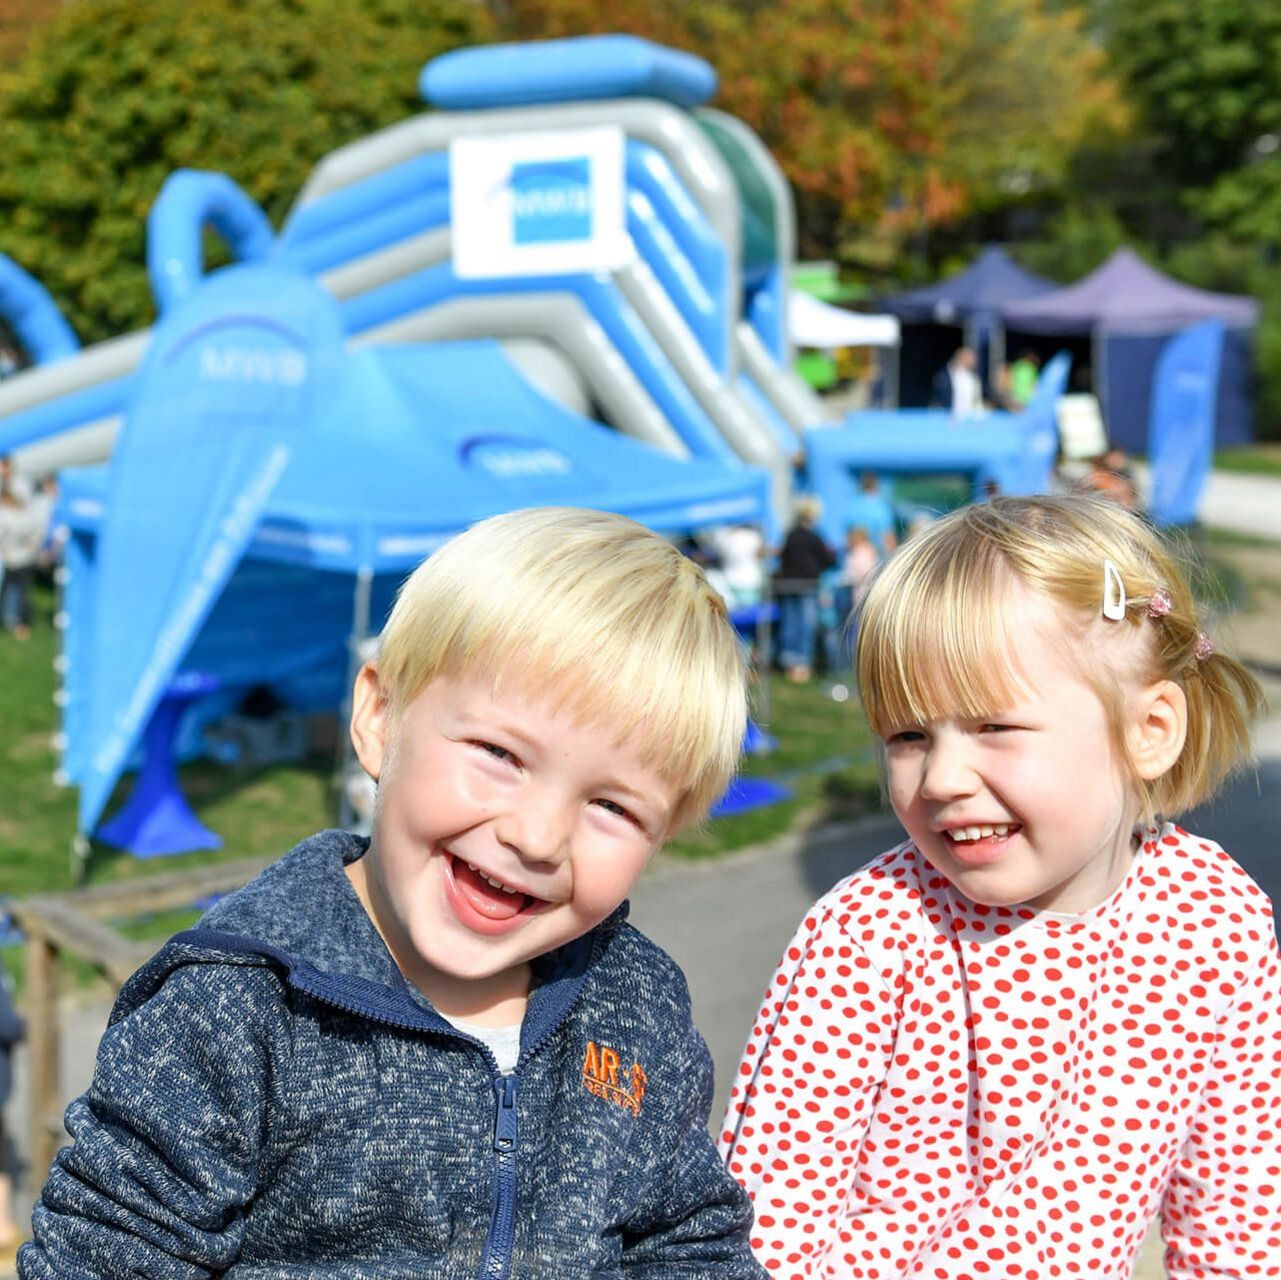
980, 833
498, 884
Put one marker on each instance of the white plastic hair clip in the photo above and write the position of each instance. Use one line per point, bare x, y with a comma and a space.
1114, 600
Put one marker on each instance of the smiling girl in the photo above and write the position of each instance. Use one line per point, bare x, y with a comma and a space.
1003, 1047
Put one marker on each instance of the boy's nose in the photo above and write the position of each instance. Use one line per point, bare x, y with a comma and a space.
537, 826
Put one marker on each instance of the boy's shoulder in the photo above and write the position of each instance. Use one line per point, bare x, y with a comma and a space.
633, 969
300, 912
283, 896
304, 910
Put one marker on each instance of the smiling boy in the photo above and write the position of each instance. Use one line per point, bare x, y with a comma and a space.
442, 1052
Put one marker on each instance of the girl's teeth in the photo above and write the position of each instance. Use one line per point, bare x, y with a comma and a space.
980, 833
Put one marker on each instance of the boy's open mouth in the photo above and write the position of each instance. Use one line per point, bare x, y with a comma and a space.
486, 901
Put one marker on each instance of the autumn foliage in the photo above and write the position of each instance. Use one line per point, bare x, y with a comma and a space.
844, 92
890, 114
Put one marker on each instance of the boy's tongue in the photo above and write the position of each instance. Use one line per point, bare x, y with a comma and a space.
486, 898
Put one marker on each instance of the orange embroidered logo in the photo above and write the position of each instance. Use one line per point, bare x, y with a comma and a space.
600, 1076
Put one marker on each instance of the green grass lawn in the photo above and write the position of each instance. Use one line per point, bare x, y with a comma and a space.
1255, 459
822, 753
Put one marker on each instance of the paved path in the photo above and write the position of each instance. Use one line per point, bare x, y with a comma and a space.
1240, 503
1245, 504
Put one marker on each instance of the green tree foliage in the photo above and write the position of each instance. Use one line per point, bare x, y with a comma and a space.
1206, 76
888, 116
116, 94
1025, 87
1206, 79
1079, 238
838, 90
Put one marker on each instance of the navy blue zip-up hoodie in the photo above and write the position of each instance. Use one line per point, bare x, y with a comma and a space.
272, 1101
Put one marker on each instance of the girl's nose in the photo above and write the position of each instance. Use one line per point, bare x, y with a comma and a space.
948, 771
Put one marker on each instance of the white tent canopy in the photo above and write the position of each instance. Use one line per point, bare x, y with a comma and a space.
816, 324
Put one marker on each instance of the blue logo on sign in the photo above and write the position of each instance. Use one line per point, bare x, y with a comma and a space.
551, 201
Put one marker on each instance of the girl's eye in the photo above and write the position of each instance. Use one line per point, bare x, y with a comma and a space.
499, 753
998, 728
905, 736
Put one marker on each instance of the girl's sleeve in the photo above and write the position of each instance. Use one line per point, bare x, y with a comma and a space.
803, 1098
168, 1139
1221, 1216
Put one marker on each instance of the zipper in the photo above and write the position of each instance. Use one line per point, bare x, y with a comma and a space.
496, 1259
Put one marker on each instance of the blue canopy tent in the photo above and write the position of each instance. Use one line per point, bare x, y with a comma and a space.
1129, 310
966, 307
269, 492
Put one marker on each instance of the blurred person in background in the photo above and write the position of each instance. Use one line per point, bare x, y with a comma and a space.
23, 525
1024, 375
1110, 475
803, 559
957, 387
12, 1031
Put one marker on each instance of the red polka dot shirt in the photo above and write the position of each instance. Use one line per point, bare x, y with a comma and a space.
939, 1089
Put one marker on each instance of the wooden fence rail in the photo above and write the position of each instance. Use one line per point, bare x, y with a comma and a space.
80, 923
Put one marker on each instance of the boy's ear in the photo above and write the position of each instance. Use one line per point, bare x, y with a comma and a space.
1159, 729
369, 720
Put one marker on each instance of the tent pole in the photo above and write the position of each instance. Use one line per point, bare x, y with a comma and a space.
889, 380
1099, 360
344, 756
995, 354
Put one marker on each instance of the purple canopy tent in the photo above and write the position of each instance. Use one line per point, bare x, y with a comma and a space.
1129, 310
970, 300
973, 297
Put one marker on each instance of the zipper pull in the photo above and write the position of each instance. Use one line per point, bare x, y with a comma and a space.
505, 1119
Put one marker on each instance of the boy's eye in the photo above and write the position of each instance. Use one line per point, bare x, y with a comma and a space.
612, 806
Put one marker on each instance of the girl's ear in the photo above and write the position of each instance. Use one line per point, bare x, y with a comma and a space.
1158, 729
369, 720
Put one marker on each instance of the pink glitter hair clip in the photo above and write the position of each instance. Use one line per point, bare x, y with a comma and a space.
1160, 603
1204, 647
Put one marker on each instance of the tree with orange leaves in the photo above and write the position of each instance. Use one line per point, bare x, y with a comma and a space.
886, 115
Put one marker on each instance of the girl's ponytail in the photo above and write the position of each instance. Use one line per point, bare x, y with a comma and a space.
1223, 697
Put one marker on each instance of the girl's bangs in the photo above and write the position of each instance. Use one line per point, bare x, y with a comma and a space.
942, 653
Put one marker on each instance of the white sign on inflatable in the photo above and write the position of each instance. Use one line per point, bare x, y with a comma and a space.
537, 204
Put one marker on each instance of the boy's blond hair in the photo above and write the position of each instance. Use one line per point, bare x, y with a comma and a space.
932, 637
599, 613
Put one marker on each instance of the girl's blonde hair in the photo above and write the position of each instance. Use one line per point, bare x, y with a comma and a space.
598, 613
932, 638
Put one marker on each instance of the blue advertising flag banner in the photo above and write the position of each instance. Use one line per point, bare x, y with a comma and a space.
1181, 431
229, 382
